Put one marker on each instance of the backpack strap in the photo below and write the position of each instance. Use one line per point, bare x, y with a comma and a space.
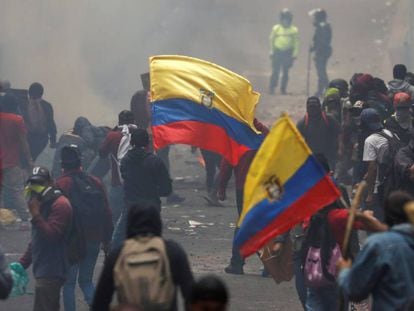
324, 117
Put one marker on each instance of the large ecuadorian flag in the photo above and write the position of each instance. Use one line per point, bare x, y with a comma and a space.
285, 184
199, 103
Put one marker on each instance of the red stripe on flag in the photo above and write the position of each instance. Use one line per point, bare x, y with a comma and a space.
321, 195
203, 135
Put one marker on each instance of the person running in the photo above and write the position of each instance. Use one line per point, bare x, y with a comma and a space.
51, 215
322, 48
38, 116
384, 268
92, 213
144, 222
14, 158
284, 49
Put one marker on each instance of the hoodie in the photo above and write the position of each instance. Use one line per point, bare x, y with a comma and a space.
144, 221
146, 178
397, 85
384, 269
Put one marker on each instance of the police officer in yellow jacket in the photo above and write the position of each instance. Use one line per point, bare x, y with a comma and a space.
284, 48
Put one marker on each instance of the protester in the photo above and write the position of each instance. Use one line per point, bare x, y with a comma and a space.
109, 148
144, 225
404, 168
321, 46
14, 158
139, 103
398, 84
401, 122
146, 179
92, 213
378, 155
51, 219
212, 162
284, 49
321, 131
209, 293
384, 267
38, 116
240, 173
332, 104
6, 281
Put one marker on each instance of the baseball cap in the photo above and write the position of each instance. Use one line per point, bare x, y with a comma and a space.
371, 118
402, 100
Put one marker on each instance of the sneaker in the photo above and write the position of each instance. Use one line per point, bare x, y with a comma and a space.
232, 269
174, 198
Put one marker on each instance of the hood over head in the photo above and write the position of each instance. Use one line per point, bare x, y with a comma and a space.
80, 124
144, 220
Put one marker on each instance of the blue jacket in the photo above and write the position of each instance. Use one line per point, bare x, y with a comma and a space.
384, 268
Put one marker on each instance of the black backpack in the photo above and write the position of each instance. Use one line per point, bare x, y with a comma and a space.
386, 175
88, 201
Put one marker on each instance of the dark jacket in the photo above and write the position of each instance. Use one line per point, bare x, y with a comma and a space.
93, 232
404, 134
146, 178
404, 159
383, 268
6, 282
144, 221
50, 121
140, 109
47, 249
322, 40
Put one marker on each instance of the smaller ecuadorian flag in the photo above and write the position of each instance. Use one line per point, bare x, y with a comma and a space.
201, 104
284, 185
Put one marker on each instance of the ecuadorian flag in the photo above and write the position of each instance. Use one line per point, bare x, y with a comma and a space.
199, 103
285, 184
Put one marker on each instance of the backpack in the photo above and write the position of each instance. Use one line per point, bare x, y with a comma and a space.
320, 242
142, 274
88, 203
324, 117
386, 164
124, 146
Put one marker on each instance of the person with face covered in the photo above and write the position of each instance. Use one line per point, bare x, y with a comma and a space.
284, 49
404, 167
51, 215
320, 130
401, 122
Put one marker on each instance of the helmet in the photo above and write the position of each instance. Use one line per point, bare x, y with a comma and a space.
320, 15
40, 175
70, 157
285, 14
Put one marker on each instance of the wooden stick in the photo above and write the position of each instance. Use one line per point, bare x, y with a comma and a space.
351, 218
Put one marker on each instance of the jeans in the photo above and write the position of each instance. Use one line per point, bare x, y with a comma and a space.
47, 294
321, 61
116, 202
119, 234
322, 299
212, 161
11, 191
301, 288
281, 60
83, 272
37, 143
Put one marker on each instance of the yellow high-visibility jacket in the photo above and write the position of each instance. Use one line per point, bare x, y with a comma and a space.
284, 39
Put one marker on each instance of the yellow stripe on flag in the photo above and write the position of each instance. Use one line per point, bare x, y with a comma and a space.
281, 154
174, 76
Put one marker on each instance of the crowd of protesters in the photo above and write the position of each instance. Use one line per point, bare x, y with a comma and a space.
359, 131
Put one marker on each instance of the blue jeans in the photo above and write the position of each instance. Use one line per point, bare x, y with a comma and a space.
322, 298
83, 272
116, 202
119, 234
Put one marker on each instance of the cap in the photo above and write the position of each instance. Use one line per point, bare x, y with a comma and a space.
371, 118
39, 175
402, 100
70, 155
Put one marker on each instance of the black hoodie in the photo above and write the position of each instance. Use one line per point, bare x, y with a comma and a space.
146, 178
144, 221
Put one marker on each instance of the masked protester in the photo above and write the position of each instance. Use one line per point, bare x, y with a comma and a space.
284, 49
208, 293
401, 122
51, 219
321, 46
92, 213
321, 131
38, 116
398, 84
384, 266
